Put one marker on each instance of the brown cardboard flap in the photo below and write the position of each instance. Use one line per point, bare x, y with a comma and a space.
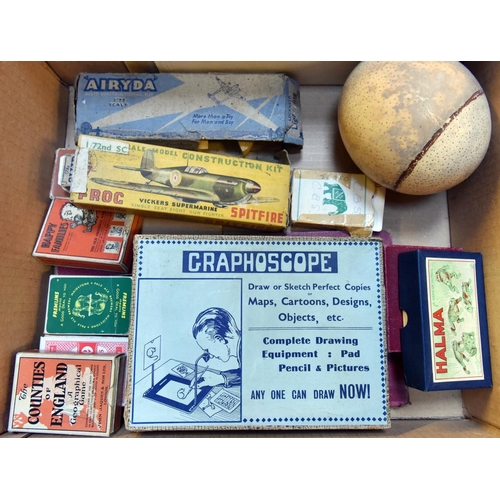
474, 226
33, 108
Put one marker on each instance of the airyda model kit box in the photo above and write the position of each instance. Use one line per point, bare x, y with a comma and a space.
152, 180
81, 305
94, 239
189, 107
66, 393
277, 332
444, 342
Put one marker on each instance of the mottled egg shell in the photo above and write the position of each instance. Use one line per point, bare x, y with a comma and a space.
414, 127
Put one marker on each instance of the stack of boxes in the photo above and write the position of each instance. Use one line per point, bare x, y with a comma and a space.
157, 146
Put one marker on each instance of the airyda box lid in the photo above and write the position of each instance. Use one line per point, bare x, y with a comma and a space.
445, 339
189, 107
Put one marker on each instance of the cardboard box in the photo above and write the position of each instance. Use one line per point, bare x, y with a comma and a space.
445, 342
350, 202
80, 305
91, 239
63, 393
466, 217
62, 176
277, 332
189, 107
82, 344
160, 181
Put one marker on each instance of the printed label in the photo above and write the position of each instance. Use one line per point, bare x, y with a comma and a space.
279, 332
66, 169
454, 320
105, 145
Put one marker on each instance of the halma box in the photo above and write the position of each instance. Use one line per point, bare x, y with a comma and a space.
158, 181
445, 342
189, 107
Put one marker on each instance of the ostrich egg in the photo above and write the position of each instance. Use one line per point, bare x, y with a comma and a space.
414, 127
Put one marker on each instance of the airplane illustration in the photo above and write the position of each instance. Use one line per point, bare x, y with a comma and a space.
179, 106
189, 184
227, 90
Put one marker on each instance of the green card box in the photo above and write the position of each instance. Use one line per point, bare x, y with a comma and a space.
83, 305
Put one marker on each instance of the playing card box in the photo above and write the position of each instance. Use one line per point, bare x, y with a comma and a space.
62, 174
83, 305
82, 344
333, 200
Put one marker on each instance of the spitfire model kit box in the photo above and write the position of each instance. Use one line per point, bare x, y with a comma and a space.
444, 342
242, 332
67, 393
158, 181
88, 305
189, 107
92, 239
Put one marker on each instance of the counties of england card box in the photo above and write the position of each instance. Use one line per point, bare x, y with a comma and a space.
257, 333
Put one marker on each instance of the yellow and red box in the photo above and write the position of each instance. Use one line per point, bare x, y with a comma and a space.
116, 175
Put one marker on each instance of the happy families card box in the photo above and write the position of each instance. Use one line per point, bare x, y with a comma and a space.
86, 238
242, 332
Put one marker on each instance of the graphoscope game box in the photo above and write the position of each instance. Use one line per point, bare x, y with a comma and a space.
277, 332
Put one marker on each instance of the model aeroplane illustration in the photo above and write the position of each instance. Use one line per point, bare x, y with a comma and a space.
179, 106
227, 91
189, 184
